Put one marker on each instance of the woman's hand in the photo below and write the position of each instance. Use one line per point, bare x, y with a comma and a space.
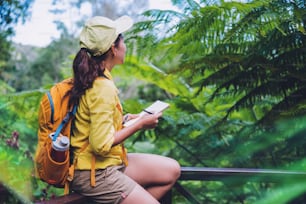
144, 121
149, 121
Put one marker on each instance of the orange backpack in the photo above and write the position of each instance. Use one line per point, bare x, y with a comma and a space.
54, 117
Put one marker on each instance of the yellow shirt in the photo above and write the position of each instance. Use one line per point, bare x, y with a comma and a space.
98, 117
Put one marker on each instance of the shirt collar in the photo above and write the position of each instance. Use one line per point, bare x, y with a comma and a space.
108, 74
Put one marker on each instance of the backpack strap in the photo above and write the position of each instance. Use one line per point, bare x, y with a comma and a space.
51, 106
93, 171
64, 121
71, 170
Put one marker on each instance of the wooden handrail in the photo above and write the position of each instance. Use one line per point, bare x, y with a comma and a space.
205, 174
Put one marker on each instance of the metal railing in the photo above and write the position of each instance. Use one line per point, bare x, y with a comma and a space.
222, 174
205, 174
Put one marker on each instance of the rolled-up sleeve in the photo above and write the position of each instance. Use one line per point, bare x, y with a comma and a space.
101, 103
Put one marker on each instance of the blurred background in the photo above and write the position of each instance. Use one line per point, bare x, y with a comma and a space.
233, 72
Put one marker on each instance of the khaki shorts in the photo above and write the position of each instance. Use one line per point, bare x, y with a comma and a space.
112, 185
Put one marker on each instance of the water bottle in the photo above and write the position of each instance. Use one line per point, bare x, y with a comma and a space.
59, 148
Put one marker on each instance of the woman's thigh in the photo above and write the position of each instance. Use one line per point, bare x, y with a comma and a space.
150, 169
139, 195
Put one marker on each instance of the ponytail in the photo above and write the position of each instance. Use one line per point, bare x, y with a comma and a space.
86, 69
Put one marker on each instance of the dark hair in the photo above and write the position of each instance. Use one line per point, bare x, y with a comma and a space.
86, 68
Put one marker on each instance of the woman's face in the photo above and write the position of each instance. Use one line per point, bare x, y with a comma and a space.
119, 52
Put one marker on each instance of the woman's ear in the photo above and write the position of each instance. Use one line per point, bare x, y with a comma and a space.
113, 48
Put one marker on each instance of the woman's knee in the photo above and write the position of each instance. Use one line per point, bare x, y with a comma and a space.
170, 169
156, 168
175, 170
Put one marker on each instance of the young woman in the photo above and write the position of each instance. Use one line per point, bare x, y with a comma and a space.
104, 171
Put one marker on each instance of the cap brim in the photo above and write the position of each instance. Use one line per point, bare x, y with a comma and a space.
123, 24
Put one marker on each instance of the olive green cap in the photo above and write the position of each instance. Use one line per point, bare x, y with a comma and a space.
99, 33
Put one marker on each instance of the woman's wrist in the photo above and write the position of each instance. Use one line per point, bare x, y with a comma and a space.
126, 118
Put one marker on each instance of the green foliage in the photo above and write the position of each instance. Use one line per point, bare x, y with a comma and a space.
18, 126
19, 117
15, 72
185, 126
10, 13
251, 51
19, 182
31, 68
232, 70
233, 74
52, 62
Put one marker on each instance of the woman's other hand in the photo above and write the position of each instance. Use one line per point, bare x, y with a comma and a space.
129, 116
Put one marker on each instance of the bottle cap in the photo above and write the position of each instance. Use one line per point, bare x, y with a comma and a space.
61, 144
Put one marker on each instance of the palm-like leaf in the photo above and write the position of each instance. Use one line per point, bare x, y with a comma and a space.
249, 50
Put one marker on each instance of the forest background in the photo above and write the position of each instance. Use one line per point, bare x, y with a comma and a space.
233, 72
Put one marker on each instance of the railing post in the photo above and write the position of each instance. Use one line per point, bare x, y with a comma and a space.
167, 199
